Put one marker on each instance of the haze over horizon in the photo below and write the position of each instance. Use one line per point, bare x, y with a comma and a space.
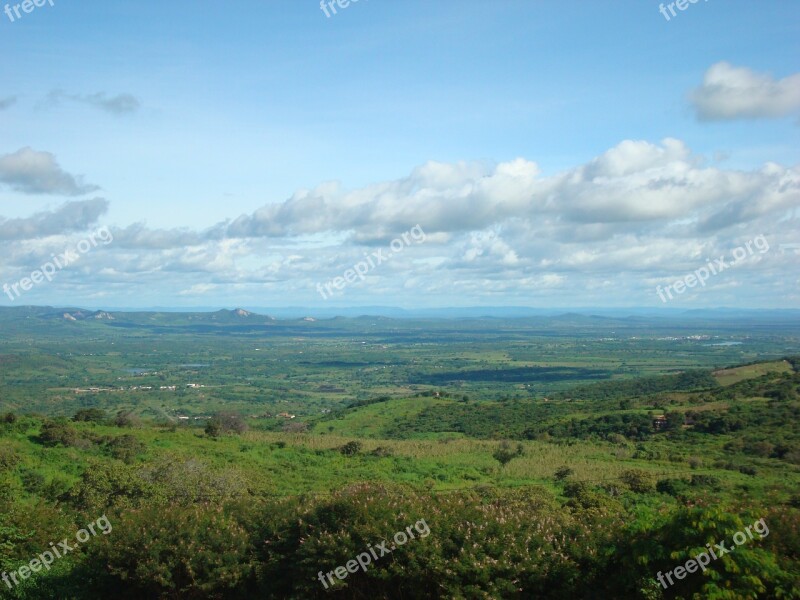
551, 156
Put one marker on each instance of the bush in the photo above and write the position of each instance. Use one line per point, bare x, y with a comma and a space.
8, 458
616, 438
60, 433
173, 552
638, 481
672, 487
126, 419
705, 481
475, 545
93, 415
126, 448
562, 473
351, 448
752, 571
32, 481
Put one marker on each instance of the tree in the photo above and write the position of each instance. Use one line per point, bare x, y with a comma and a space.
226, 422
213, 428
562, 473
126, 418
504, 454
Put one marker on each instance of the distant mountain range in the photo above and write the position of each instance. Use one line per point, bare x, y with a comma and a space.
214, 314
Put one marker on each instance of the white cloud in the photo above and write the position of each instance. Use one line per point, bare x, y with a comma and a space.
730, 92
634, 186
67, 218
35, 172
598, 233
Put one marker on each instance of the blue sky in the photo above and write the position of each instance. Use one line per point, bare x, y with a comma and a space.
242, 153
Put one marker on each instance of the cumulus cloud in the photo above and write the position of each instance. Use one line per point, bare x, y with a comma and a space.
7, 102
68, 218
35, 172
120, 104
632, 187
604, 232
730, 92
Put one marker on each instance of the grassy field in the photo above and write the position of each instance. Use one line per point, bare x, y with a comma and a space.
737, 374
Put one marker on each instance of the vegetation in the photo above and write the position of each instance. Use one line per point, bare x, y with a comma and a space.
582, 493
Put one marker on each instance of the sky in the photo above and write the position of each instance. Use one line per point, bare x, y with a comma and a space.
543, 153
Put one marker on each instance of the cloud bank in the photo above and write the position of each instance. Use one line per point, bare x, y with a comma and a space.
601, 233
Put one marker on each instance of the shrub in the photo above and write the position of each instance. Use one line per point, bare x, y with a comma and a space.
126, 419
126, 448
705, 481
616, 438
173, 552
351, 448
60, 433
94, 415
562, 473
474, 545
32, 481
672, 487
638, 481
8, 458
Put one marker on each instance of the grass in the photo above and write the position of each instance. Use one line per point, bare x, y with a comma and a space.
735, 375
291, 464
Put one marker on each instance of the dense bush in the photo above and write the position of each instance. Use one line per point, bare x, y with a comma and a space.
55, 433
638, 481
125, 448
351, 448
94, 415
157, 551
